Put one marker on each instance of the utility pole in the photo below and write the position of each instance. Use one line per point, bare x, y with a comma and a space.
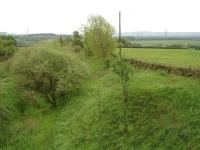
124, 79
120, 49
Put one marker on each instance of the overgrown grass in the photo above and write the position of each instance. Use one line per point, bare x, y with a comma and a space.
174, 57
32, 130
163, 113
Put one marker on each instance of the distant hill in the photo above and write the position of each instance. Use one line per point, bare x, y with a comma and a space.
29, 39
3, 33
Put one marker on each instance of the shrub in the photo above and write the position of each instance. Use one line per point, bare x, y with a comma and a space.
136, 45
122, 70
177, 46
76, 49
51, 74
21, 106
7, 45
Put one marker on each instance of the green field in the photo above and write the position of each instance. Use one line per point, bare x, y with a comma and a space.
163, 110
174, 57
165, 42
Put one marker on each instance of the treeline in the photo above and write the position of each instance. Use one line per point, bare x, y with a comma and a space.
74, 43
128, 42
30, 39
173, 46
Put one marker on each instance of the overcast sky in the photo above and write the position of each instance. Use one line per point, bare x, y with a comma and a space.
65, 16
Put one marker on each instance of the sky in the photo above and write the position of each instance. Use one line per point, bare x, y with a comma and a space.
65, 16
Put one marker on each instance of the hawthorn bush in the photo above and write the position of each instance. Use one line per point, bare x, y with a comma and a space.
52, 75
7, 45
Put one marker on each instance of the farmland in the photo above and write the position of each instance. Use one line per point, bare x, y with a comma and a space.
174, 57
166, 42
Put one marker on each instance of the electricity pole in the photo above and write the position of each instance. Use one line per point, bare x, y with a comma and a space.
120, 49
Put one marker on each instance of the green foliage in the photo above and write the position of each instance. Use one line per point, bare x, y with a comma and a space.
161, 43
4, 117
21, 105
124, 42
31, 39
162, 110
51, 74
68, 40
98, 37
122, 70
4, 131
3, 112
7, 45
73, 44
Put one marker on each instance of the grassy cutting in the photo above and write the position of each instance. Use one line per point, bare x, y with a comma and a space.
163, 113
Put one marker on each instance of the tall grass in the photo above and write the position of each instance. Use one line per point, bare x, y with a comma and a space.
162, 109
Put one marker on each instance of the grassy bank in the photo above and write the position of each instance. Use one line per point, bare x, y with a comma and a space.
162, 113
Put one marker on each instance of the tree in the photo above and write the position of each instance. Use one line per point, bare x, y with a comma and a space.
7, 45
122, 70
98, 36
51, 74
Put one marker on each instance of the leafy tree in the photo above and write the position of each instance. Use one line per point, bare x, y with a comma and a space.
7, 45
51, 74
98, 36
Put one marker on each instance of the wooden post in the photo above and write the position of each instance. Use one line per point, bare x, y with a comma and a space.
120, 49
